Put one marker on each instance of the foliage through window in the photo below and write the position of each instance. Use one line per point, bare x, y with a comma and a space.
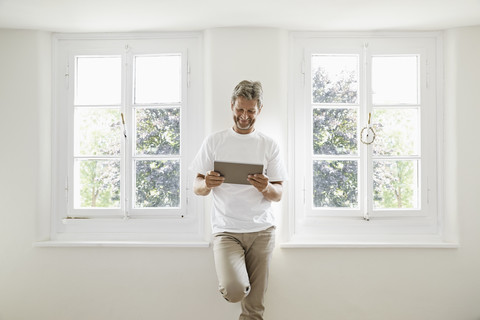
123, 132
365, 132
335, 130
99, 135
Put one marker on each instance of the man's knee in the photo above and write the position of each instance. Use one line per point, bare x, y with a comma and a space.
234, 292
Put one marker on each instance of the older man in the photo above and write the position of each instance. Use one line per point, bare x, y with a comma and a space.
243, 223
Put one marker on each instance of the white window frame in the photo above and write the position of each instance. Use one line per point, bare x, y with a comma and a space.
362, 228
183, 226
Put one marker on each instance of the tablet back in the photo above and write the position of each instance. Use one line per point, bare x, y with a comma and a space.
237, 172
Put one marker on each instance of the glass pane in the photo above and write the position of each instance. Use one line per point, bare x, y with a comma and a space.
335, 183
98, 131
395, 184
334, 78
397, 131
158, 131
158, 79
395, 80
157, 183
98, 81
334, 131
97, 184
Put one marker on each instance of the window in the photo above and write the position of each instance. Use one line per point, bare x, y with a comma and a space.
366, 116
126, 121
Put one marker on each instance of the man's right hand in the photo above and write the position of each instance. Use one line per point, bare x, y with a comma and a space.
203, 184
213, 179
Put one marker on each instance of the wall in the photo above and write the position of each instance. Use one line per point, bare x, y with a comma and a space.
180, 283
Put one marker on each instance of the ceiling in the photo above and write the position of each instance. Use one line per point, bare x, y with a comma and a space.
195, 15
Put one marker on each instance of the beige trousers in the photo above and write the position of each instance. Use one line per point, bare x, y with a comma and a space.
242, 262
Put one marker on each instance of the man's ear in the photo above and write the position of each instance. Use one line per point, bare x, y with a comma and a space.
260, 109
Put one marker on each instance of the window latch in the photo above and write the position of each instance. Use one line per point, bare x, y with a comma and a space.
368, 135
124, 128
366, 216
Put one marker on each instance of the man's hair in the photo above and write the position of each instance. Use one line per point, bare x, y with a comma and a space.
250, 90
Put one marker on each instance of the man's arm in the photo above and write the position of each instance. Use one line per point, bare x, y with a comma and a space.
274, 191
204, 184
271, 191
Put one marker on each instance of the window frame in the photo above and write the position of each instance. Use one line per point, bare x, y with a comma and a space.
127, 225
325, 229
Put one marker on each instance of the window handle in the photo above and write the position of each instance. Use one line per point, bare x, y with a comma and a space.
366, 216
123, 123
368, 132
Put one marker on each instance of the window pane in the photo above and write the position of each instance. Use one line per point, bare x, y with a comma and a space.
335, 183
397, 131
157, 183
395, 184
158, 79
98, 131
334, 78
97, 183
395, 80
98, 81
158, 131
334, 131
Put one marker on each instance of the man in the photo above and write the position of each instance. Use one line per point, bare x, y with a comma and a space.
243, 224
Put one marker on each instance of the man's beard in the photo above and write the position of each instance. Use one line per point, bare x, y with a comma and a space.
248, 126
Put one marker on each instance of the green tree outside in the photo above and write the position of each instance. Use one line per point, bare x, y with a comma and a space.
335, 130
99, 133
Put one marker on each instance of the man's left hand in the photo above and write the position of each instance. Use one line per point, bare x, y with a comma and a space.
259, 181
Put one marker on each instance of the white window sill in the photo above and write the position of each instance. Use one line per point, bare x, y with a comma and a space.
133, 239
360, 241
123, 243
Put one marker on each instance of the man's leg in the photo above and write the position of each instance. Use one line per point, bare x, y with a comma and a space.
233, 282
257, 256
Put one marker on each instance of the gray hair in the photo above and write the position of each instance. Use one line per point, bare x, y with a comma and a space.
249, 90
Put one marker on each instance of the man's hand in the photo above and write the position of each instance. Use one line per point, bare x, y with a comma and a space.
271, 191
259, 181
204, 184
213, 179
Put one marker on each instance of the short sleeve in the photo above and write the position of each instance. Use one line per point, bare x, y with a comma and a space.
276, 170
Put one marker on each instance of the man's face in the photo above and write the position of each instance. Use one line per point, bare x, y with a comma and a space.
244, 114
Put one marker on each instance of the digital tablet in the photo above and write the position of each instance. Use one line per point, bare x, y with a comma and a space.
237, 172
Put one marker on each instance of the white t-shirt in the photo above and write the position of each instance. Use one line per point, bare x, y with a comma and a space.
236, 207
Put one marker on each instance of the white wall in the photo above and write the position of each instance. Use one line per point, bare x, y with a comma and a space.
180, 283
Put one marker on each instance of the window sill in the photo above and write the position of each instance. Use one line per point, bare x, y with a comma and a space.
407, 241
128, 243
